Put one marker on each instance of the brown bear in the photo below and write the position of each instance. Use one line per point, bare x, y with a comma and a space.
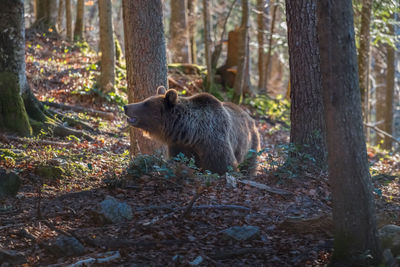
217, 134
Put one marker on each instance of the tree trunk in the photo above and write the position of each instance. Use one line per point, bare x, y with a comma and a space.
79, 23
240, 79
107, 47
179, 32
68, 19
261, 34
207, 45
146, 61
268, 60
60, 16
192, 16
46, 13
353, 207
13, 115
363, 53
307, 129
390, 85
380, 73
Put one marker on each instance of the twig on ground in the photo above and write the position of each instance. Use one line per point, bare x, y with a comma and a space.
374, 127
101, 258
199, 192
266, 187
92, 112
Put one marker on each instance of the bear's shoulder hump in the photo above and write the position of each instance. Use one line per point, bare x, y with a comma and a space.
205, 99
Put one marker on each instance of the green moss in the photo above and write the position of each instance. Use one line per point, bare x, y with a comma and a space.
13, 115
49, 172
7, 153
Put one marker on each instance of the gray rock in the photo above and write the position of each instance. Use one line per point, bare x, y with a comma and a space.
241, 233
11, 257
114, 211
390, 238
67, 246
9, 183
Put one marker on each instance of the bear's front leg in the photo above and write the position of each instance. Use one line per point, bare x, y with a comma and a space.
218, 160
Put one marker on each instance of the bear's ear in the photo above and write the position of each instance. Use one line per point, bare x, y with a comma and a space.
171, 97
160, 90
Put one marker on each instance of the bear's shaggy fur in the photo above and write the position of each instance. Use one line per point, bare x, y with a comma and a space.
217, 134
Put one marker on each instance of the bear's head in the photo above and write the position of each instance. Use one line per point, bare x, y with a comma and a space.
150, 114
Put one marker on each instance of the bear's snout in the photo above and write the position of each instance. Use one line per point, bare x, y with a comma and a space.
125, 109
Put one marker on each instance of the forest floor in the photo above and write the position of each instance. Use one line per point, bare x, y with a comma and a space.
63, 182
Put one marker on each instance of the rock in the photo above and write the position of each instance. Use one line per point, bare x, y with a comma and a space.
197, 261
114, 211
241, 233
48, 172
9, 183
66, 246
13, 258
390, 238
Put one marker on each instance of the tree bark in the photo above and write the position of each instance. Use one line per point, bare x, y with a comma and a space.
60, 16
107, 47
390, 85
179, 32
193, 17
363, 53
146, 61
353, 207
261, 34
240, 79
307, 129
68, 19
46, 13
207, 45
13, 116
268, 60
79, 22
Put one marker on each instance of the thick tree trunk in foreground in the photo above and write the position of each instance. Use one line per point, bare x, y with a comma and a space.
68, 19
240, 80
146, 61
79, 23
13, 116
107, 47
353, 206
363, 53
307, 112
46, 13
179, 34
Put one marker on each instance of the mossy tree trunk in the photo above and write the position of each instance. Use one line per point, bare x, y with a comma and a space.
146, 62
107, 47
353, 208
79, 22
13, 83
307, 129
262, 12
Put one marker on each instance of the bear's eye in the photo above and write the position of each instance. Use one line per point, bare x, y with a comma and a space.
146, 104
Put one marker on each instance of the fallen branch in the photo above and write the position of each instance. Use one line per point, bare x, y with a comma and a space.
37, 141
177, 84
71, 121
114, 243
92, 112
265, 187
199, 192
101, 258
229, 253
220, 207
373, 126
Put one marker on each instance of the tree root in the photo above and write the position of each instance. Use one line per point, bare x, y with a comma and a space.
92, 112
